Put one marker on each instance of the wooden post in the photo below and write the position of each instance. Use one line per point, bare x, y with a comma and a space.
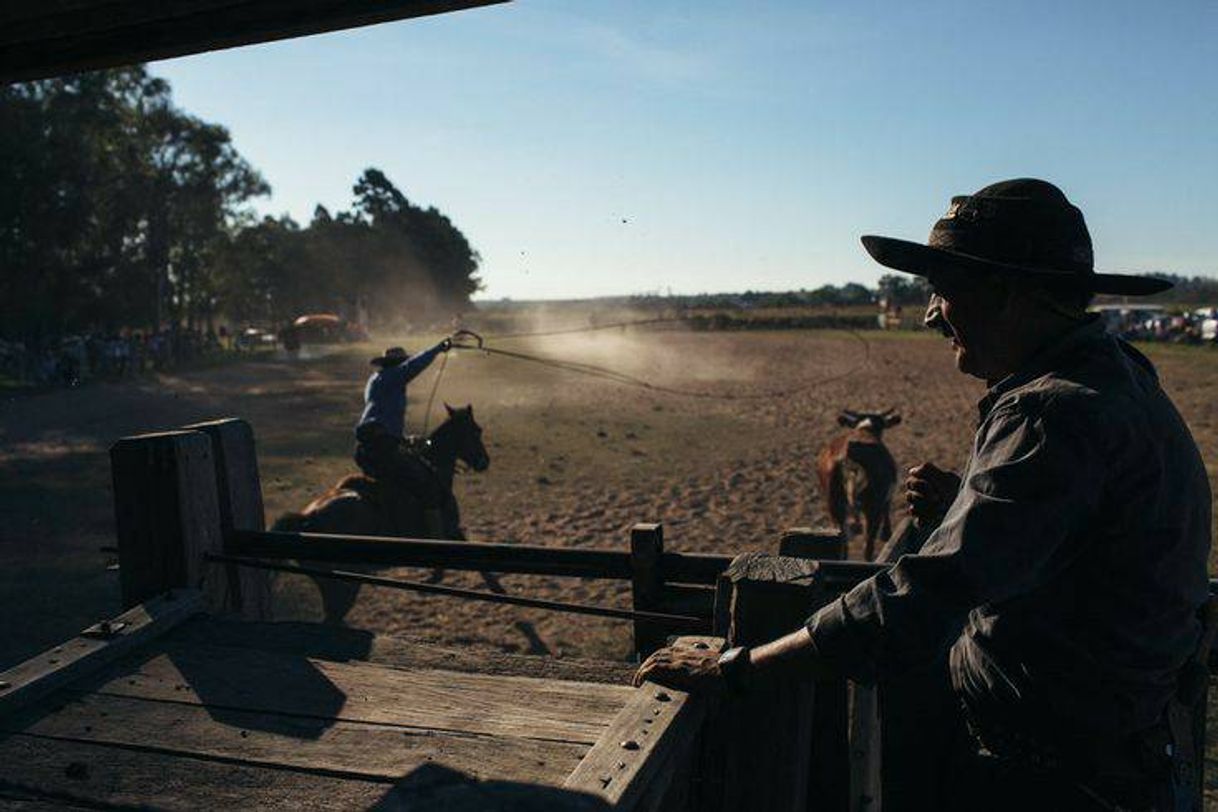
841, 739
167, 515
648, 756
772, 757
647, 585
240, 502
817, 543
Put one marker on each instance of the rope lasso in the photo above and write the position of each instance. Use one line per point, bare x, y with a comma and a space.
624, 379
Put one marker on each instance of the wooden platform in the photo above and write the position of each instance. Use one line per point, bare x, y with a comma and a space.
216, 714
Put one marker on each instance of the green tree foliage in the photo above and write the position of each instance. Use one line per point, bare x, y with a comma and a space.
120, 210
904, 289
114, 202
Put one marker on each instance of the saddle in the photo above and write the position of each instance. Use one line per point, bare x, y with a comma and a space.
402, 513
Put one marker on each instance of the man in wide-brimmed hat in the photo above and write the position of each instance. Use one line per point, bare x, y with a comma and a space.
1061, 587
380, 448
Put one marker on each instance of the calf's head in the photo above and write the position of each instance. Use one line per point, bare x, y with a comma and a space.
871, 422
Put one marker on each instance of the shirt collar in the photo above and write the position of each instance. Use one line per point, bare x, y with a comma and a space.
1044, 359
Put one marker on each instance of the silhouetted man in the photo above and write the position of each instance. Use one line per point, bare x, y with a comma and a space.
381, 451
1062, 585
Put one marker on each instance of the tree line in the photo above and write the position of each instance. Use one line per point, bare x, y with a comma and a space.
121, 211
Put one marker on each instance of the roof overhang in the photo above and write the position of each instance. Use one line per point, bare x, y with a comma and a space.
56, 37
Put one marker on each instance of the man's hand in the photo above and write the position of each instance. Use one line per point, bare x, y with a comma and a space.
929, 491
446, 344
684, 669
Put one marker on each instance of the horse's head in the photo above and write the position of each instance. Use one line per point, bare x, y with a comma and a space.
466, 437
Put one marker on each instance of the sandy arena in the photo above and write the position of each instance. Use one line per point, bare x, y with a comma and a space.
575, 460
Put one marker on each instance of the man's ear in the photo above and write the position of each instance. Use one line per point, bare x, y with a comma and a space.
847, 419
892, 420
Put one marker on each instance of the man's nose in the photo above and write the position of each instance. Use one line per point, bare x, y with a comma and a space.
934, 312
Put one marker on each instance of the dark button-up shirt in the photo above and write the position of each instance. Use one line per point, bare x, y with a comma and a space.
1067, 575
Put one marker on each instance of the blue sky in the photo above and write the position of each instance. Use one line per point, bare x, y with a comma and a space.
594, 147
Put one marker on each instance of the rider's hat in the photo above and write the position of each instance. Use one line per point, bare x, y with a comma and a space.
1023, 229
392, 357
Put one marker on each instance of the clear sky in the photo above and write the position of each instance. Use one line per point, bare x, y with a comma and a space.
593, 147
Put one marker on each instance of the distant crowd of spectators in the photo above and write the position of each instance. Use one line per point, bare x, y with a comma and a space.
75, 359
1199, 326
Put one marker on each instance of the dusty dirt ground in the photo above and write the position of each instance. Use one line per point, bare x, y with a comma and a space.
574, 461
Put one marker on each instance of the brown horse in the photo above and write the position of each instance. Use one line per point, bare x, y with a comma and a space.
357, 506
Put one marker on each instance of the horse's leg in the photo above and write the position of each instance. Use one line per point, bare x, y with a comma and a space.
337, 598
452, 532
869, 530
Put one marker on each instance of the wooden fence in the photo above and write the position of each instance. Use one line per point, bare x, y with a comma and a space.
183, 495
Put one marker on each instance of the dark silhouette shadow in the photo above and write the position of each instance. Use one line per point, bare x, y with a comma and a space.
536, 644
254, 690
274, 692
436, 787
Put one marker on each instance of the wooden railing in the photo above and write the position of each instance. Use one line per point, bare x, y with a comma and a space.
182, 497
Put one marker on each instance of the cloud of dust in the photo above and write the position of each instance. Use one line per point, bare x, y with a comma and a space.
659, 352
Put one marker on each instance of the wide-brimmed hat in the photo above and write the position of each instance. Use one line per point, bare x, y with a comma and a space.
392, 357
1023, 228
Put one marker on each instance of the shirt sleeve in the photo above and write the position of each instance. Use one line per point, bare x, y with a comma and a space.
1033, 479
417, 363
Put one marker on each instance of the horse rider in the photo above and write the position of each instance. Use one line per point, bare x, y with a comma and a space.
1060, 593
381, 450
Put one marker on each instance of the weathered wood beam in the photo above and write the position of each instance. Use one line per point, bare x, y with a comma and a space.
94, 648
239, 492
476, 556
643, 749
646, 585
777, 758
167, 516
38, 40
816, 543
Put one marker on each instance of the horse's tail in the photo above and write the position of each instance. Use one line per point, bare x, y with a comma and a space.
290, 522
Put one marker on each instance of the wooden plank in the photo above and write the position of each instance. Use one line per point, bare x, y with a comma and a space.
689, 600
642, 741
105, 33
777, 759
815, 543
343, 643
167, 516
239, 492
90, 651
832, 779
340, 749
647, 585
250, 680
91, 775
336, 548
476, 556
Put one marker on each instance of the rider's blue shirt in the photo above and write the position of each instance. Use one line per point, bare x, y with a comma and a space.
385, 392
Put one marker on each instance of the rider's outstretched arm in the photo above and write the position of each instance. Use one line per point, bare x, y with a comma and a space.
417, 363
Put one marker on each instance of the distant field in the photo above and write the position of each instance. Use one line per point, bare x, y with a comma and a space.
575, 460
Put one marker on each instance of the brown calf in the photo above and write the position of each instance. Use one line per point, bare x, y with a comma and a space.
857, 476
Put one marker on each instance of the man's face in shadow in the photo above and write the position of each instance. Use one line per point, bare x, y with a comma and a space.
970, 310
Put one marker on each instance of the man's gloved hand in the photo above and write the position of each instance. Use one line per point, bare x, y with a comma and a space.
446, 344
929, 491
